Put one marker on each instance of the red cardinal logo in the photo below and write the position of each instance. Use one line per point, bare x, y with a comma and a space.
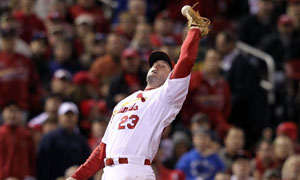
140, 96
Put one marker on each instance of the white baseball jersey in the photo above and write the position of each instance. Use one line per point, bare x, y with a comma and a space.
137, 122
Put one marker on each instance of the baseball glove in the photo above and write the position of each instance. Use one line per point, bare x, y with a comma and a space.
195, 20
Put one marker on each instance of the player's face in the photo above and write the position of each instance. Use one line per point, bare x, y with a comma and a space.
158, 73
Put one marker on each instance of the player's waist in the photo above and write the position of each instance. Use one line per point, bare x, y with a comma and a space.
110, 161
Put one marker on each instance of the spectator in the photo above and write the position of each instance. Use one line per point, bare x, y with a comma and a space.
163, 29
107, 67
293, 10
200, 120
263, 160
51, 106
85, 87
130, 80
141, 41
234, 143
39, 50
127, 26
280, 44
291, 168
94, 47
181, 145
209, 93
241, 168
200, 162
62, 147
17, 152
29, 22
137, 8
18, 79
7, 21
55, 34
84, 24
61, 83
256, 26
248, 97
63, 58
89, 7
283, 149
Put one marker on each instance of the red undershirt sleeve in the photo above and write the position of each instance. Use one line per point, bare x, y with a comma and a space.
92, 165
188, 54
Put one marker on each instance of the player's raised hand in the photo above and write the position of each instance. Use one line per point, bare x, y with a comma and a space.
195, 20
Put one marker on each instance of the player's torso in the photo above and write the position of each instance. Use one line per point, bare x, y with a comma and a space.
136, 125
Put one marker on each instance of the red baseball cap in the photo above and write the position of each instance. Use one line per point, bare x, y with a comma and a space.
289, 129
84, 77
160, 55
130, 53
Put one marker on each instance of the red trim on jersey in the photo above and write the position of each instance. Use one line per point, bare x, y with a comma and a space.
188, 54
92, 165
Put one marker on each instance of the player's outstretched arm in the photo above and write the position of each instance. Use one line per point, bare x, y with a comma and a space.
92, 165
198, 28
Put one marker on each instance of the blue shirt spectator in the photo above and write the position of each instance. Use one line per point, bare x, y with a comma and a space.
200, 162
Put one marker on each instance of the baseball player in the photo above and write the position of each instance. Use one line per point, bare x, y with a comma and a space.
133, 135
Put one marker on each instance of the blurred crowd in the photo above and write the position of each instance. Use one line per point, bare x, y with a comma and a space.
65, 64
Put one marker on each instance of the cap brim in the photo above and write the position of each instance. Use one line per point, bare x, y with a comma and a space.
159, 55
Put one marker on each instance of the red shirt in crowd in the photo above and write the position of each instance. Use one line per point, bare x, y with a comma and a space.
211, 97
30, 24
19, 81
17, 153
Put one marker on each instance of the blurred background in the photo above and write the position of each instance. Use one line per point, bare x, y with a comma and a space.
65, 64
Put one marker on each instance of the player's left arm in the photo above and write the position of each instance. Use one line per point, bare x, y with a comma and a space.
92, 165
188, 54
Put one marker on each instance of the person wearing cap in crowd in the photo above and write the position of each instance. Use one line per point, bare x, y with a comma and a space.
201, 162
62, 147
19, 80
133, 135
281, 43
209, 93
86, 86
8, 21
17, 150
61, 83
241, 167
28, 21
130, 80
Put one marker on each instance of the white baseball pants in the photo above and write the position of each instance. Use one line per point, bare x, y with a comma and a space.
128, 172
